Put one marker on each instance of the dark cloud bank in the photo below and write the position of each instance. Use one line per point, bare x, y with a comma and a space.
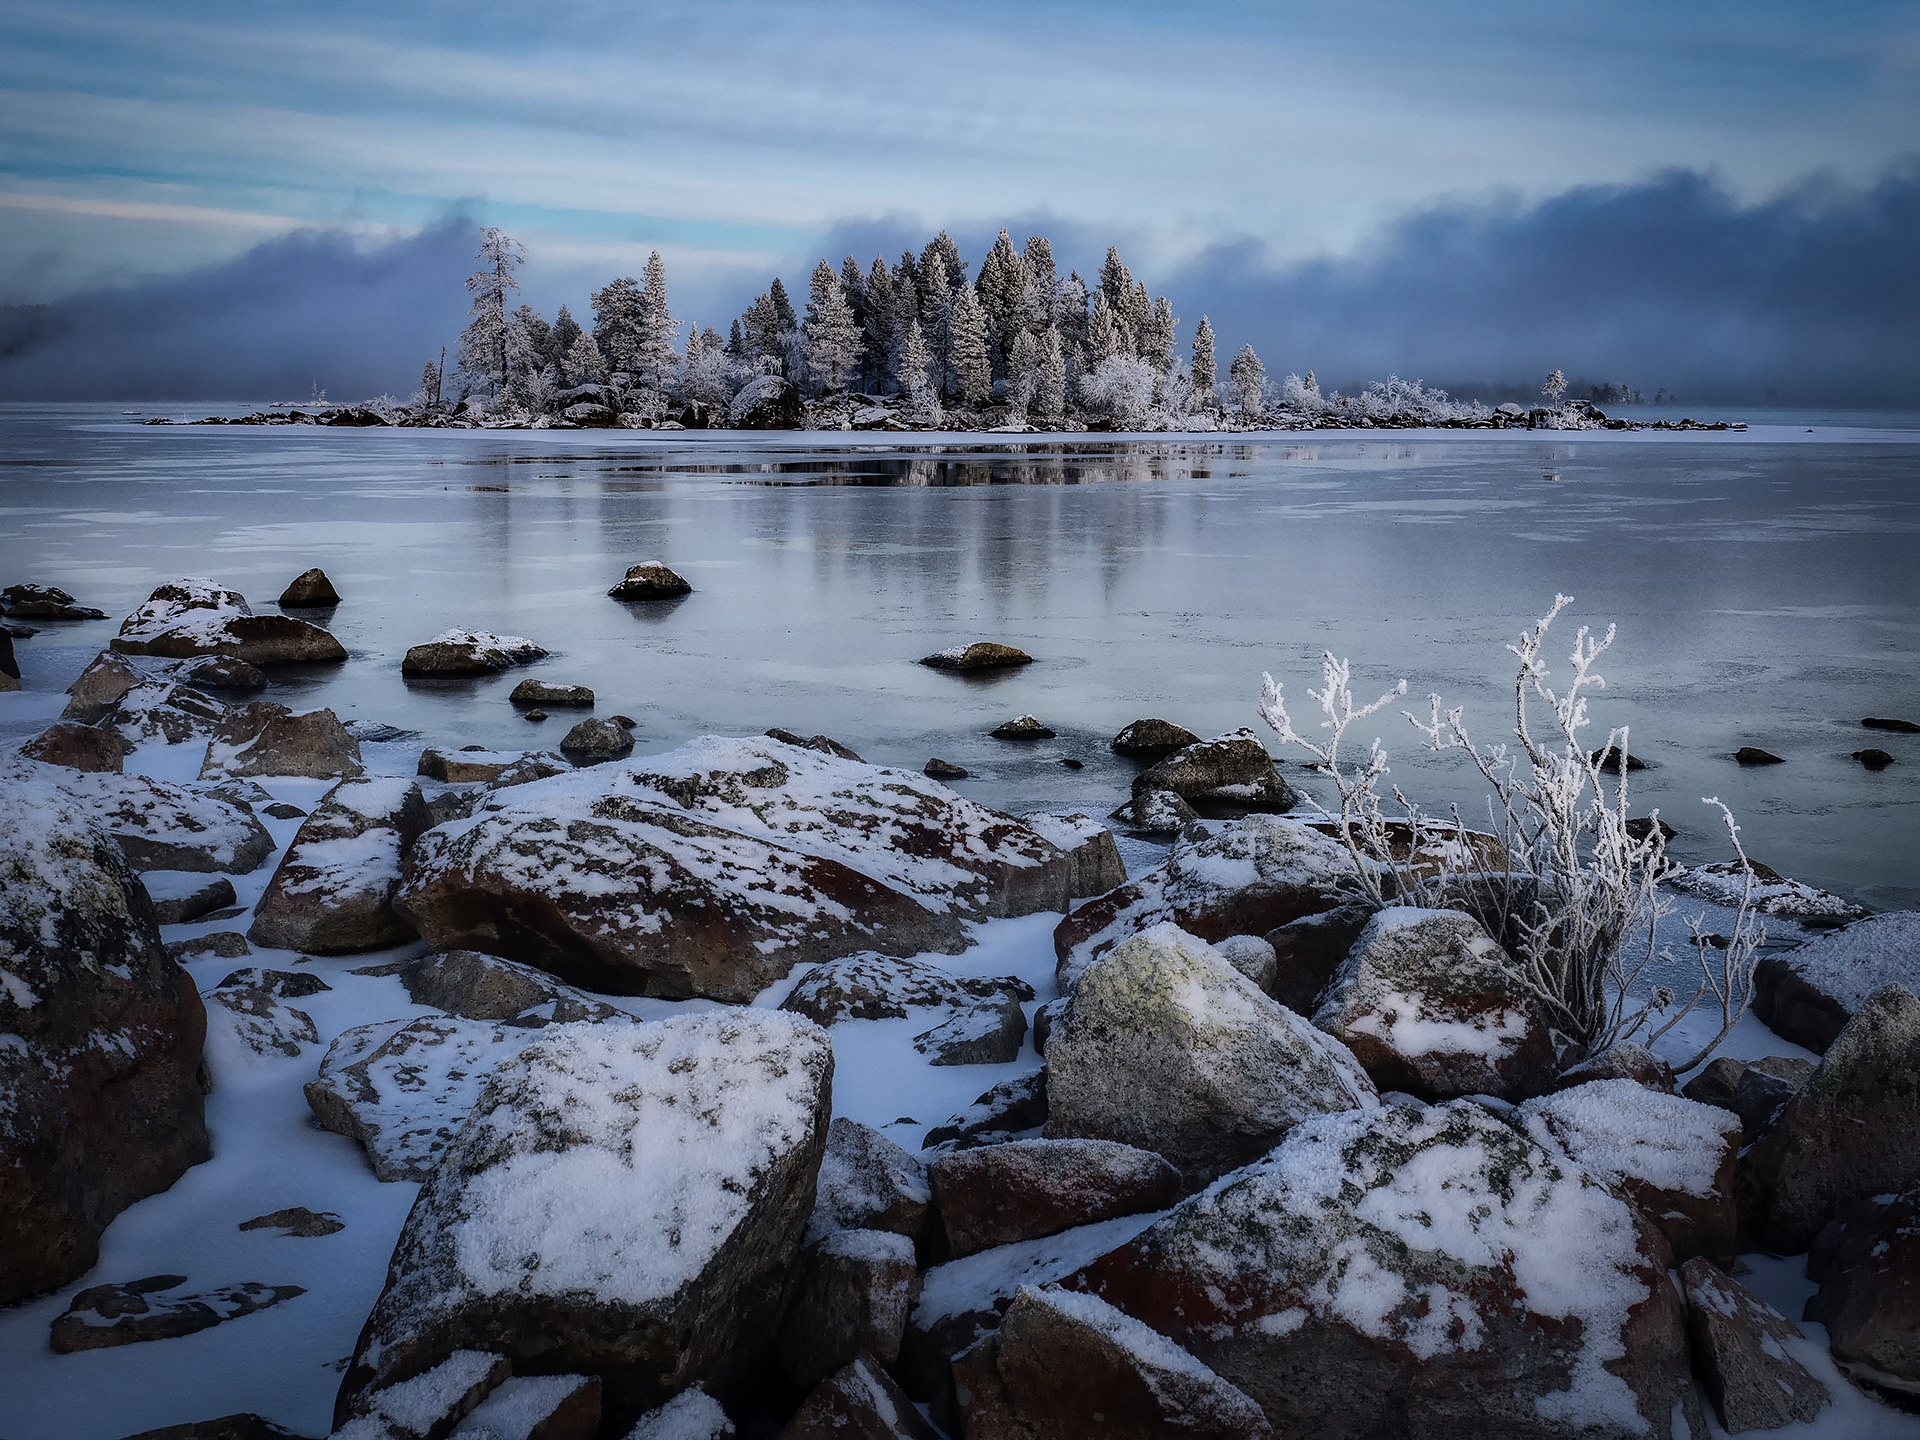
1813, 295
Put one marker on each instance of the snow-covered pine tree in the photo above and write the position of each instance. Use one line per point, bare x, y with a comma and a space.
654, 360
1043, 284
1002, 292
524, 360
1554, 386
1050, 383
585, 365
969, 356
696, 345
1156, 340
1249, 384
954, 267
737, 340
783, 313
1070, 315
618, 314
483, 344
430, 386
834, 344
936, 315
1136, 322
1203, 369
1023, 366
561, 337
539, 334
877, 364
1116, 282
912, 370
1104, 338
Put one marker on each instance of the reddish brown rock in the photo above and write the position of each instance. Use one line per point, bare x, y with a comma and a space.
78, 747
1740, 1354
856, 1289
1001, 1194
1869, 1298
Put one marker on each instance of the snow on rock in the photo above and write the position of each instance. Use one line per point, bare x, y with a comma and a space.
854, 1294
536, 1407
1868, 1300
425, 1405
260, 1021
1430, 1004
650, 580
716, 868
469, 652
1004, 1113
1168, 1048
980, 655
1233, 770
1808, 993
1069, 1366
690, 1415
1245, 879
1027, 1189
1092, 853
1739, 1344
485, 987
157, 824
1418, 1271
1725, 881
624, 1201
1670, 1156
883, 987
861, 1402
202, 617
100, 1040
103, 1316
333, 893
164, 712
868, 1183
263, 738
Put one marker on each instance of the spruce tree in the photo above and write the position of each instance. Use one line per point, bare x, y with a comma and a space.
1203, 371
1070, 313
911, 369
1002, 291
1136, 321
1249, 384
653, 358
1156, 345
969, 358
1043, 284
954, 267
483, 344
737, 341
833, 337
936, 315
617, 317
782, 307
561, 337
1023, 366
906, 312
1104, 339
1050, 380
1116, 283
878, 327
584, 364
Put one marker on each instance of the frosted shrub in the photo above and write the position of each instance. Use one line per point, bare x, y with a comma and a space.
1121, 388
1576, 899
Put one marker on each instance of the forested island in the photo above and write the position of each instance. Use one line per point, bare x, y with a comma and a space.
916, 345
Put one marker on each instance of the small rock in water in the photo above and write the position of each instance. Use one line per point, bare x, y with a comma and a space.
541, 692
981, 655
1021, 727
1607, 758
1898, 727
44, 602
1153, 739
311, 589
1873, 759
1073, 764
650, 580
469, 652
944, 769
1156, 812
1642, 826
536, 716
106, 1315
1754, 755
592, 741
223, 672
625, 722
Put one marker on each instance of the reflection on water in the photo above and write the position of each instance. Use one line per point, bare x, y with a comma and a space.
1766, 593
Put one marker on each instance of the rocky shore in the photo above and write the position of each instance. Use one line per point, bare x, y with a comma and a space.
673, 1053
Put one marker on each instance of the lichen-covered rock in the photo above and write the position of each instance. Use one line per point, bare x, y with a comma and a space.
1229, 770
856, 1289
1426, 1272
485, 987
202, 617
1431, 1005
625, 1201
1255, 874
1168, 1048
1866, 1263
1671, 1157
157, 824
868, 1183
650, 580
469, 652
980, 655
1026, 1189
333, 893
1740, 1352
1153, 739
717, 868
263, 738
1808, 994
310, 589
1068, 1366
100, 1095
1093, 857
1853, 1131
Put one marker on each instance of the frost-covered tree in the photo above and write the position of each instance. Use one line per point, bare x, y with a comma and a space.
619, 316
483, 344
1116, 282
1249, 378
1302, 394
853, 282
561, 337
936, 313
1156, 337
952, 266
538, 332
654, 360
708, 375
1202, 369
1137, 320
430, 387
1023, 371
1070, 315
771, 329
878, 326
834, 342
1002, 292
969, 356
1121, 387
1043, 284
912, 370
1554, 386
1050, 380
584, 365
1104, 339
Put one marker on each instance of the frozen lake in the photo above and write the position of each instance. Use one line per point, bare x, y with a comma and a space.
1766, 585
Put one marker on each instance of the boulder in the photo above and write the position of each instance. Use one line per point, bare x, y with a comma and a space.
1873, 758
1754, 755
244, 1425
218, 672
1252, 876
825, 744
469, 652
268, 739
882, 987
497, 768
425, 1406
1027, 1189
1010, 1110
625, 1201
691, 1415
980, 655
1252, 956
1764, 1088
768, 403
162, 826
1716, 1083
101, 686
100, 1074
285, 984
1021, 727
157, 710
536, 1407
1852, 1131
44, 602
1093, 856
227, 944
260, 1021
1068, 1366
717, 868
78, 747
595, 740
1866, 1263
333, 892
178, 899
1808, 994
1168, 1048
1229, 770
485, 987
1671, 1157
1307, 952
861, 1402
9, 666
1156, 812
855, 1292
1740, 1353
1898, 727
201, 617
102, 1316
1152, 740
297, 1222
1414, 1271
310, 589
944, 770
868, 1183
650, 580
1767, 891
561, 697
984, 1034
1430, 1004
1624, 1061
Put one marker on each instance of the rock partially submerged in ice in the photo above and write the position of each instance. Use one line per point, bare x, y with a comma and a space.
202, 617
1807, 994
44, 602
333, 893
1724, 882
981, 655
469, 652
1229, 770
649, 580
102, 1316
623, 1200
159, 825
1416, 1271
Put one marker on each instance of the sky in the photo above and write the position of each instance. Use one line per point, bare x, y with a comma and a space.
1287, 162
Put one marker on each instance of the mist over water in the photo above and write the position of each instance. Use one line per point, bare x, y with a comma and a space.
1763, 584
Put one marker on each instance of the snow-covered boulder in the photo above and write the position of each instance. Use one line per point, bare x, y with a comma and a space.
1808, 993
1168, 1048
1740, 1352
310, 590
980, 655
1725, 882
1623, 1061
44, 602
1014, 1109
469, 652
103, 1316
263, 738
855, 1292
159, 711
624, 1201
868, 1183
333, 893
1232, 770
78, 747
260, 1020
768, 403
986, 1033
101, 686
885, 987
536, 1407
1853, 1130
1155, 812
860, 1402
1431, 1005
650, 580
202, 617
100, 1041
1093, 856
485, 987
1069, 1366
1251, 876
691, 1415
1416, 1271
1866, 1264
1026, 1189
718, 867
1670, 1156
157, 824
1152, 739
426, 1405
596, 740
